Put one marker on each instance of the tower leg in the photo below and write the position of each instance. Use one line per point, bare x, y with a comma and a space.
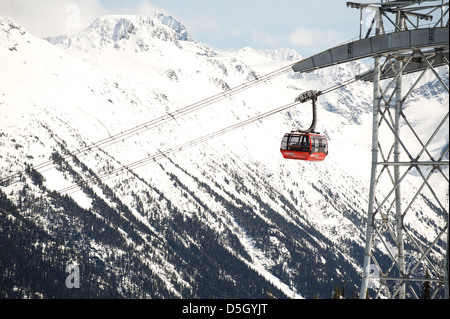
398, 199
373, 181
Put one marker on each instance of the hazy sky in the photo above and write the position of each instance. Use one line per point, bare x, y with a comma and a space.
305, 25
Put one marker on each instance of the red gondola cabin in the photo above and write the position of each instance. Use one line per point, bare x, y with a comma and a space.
304, 146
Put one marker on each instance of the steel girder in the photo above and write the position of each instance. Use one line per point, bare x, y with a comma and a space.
384, 44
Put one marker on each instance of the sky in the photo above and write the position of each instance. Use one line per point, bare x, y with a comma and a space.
307, 26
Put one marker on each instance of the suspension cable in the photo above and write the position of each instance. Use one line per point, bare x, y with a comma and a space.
160, 120
153, 158
202, 139
145, 161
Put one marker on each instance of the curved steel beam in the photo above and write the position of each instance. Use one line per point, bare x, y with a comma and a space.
395, 42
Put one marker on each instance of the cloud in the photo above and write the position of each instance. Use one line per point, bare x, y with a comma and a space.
305, 37
52, 17
201, 23
265, 38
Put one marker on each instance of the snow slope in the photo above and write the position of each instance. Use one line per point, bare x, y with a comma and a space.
227, 218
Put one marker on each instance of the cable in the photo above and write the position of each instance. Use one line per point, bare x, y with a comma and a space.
160, 120
202, 139
74, 187
186, 145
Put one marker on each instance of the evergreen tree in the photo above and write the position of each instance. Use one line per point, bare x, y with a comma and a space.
337, 292
426, 287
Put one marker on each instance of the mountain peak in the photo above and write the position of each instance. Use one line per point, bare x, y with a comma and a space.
139, 23
116, 30
174, 24
282, 54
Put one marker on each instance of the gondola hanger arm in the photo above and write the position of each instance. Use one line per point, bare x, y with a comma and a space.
310, 96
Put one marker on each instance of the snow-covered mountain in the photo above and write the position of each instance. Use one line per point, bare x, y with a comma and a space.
229, 218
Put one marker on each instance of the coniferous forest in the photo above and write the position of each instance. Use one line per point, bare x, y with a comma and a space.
120, 257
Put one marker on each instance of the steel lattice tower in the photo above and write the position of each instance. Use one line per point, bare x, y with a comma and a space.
398, 258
